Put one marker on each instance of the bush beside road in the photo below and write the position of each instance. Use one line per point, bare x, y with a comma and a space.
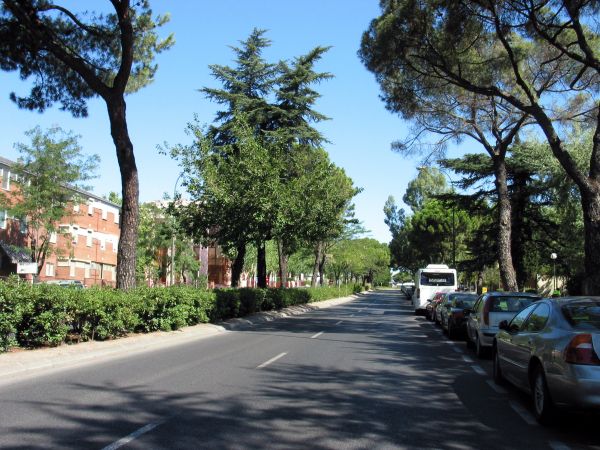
46, 315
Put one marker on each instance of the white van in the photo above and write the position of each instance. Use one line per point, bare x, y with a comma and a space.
430, 280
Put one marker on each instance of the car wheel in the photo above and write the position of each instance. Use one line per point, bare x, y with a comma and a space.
479, 350
496, 369
543, 408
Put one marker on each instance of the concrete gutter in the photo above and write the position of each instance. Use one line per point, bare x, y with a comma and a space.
22, 364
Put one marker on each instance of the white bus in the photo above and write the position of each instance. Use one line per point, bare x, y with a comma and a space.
432, 279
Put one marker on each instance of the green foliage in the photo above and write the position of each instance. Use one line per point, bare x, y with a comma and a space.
45, 173
49, 315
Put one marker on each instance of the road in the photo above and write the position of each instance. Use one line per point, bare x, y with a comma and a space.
365, 374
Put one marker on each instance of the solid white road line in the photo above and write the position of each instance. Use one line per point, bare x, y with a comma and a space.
314, 336
525, 415
127, 439
495, 387
338, 322
557, 445
466, 358
272, 360
479, 369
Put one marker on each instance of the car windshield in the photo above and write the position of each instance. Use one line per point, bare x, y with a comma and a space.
583, 315
437, 279
510, 304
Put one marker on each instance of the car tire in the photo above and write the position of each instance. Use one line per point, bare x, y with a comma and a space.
479, 350
543, 407
496, 369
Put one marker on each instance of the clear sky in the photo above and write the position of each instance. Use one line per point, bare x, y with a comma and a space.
360, 129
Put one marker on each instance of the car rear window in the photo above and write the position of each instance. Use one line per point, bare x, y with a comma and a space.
583, 315
437, 279
464, 300
510, 304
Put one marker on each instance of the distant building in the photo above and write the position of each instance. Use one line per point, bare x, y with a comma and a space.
85, 248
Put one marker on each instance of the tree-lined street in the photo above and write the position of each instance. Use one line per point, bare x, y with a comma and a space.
364, 374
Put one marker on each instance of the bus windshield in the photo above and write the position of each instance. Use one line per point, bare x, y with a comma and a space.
437, 279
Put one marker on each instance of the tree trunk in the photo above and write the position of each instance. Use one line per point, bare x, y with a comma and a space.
129, 219
283, 263
520, 199
590, 202
322, 267
318, 255
507, 271
261, 264
238, 264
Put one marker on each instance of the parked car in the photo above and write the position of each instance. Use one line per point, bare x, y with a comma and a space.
452, 312
432, 304
551, 349
488, 311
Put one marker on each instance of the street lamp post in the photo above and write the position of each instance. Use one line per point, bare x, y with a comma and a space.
553, 257
453, 215
172, 277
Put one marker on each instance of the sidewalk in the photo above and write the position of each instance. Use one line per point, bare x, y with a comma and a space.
22, 364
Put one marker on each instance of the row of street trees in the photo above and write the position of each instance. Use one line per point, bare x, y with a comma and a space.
486, 70
258, 173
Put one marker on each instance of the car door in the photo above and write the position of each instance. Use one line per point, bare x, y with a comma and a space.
475, 317
507, 348
524, 341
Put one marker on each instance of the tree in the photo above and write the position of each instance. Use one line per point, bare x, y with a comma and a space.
48, 172
429, 183
539, 57
74, 57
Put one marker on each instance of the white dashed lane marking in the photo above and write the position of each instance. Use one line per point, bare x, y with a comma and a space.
478, 369
495, 387
127, 439
525, 415
314, 336
272, 360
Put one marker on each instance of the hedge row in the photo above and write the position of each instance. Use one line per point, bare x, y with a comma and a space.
48, 315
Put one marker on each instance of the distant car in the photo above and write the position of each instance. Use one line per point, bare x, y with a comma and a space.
488, 311
551, 349
75, 284
452, 313
432, 304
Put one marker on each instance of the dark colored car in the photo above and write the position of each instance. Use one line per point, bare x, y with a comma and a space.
551, 349
452, 312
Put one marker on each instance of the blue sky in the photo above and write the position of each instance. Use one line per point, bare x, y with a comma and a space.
360, 129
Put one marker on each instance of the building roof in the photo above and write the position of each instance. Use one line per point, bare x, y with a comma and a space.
14, 253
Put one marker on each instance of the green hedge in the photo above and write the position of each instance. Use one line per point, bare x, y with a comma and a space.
48, 315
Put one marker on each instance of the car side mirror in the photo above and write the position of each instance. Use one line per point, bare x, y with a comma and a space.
503, 325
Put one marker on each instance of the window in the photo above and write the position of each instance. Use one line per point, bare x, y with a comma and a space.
23, 225
87, 270
3, 216
88, 240
53, 237
90, 207
6, 180
75, 234
437, 279
76, 207
71, 268
50, 270
517, 322
538, 318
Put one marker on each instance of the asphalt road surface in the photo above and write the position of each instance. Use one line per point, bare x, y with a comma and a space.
365, 374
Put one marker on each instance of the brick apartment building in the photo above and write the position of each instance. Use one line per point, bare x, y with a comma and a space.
85, 248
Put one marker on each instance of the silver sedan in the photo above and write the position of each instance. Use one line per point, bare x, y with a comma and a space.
551, 350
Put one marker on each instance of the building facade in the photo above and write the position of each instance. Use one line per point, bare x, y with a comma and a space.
84, 248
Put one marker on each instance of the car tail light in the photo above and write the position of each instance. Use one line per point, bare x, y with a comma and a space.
581, 351
486, 311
